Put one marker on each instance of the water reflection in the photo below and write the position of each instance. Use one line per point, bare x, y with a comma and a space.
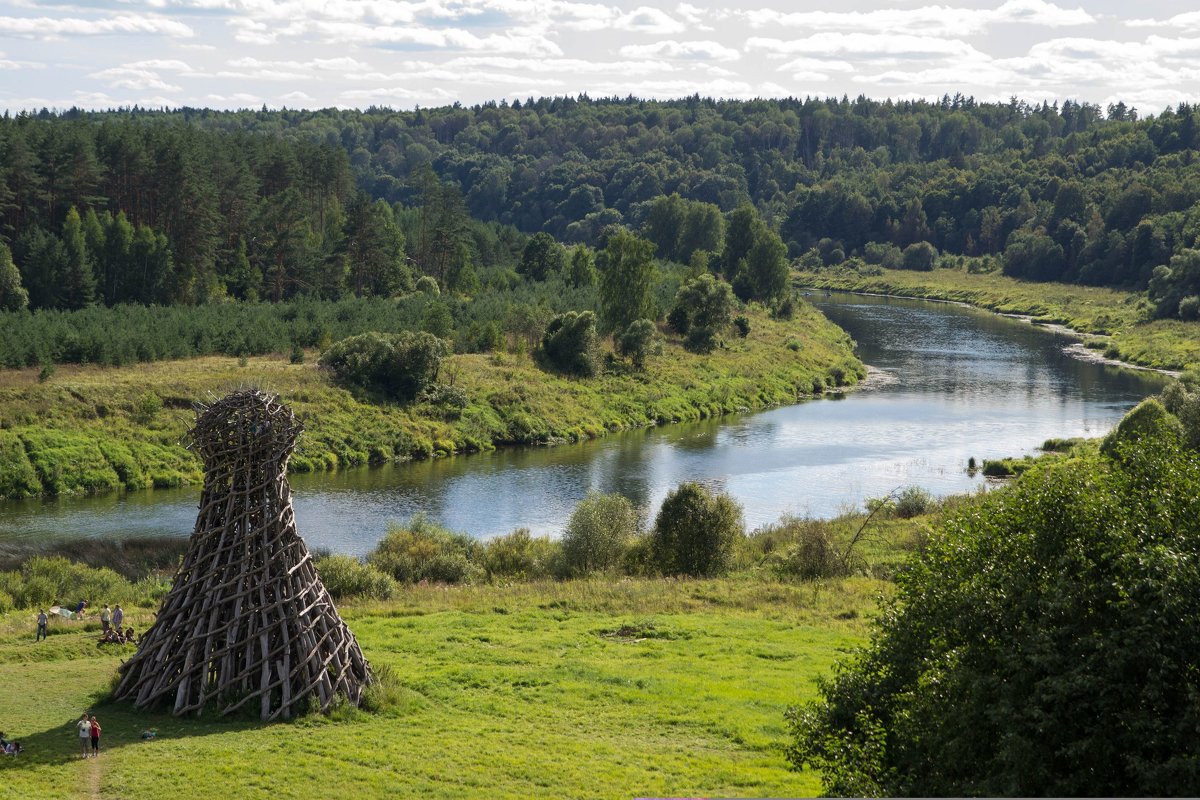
967, 384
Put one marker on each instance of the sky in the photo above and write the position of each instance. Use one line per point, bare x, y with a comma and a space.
401, 54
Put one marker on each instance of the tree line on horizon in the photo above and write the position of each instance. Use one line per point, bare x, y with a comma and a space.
272, 204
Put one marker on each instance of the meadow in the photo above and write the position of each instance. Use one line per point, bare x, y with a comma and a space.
587, 688
1117, 323
94, 429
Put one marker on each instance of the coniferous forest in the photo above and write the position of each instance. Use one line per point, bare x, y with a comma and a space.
192, 207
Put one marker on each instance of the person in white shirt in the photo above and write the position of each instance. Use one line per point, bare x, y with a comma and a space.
85, 734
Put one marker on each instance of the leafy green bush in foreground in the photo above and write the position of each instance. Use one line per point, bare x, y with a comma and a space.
1043, 643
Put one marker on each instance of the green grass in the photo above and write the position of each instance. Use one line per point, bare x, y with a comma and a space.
90, 429
1121, 317
520, 691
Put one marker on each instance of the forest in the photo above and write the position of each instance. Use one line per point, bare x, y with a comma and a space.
198, 207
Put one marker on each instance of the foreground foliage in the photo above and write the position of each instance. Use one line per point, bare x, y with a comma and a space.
1042, 642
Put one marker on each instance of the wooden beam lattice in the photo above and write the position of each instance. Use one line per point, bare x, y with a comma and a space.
247, 621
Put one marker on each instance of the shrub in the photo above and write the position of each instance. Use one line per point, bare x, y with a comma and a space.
912, 501
1189, 308
1148, 418
882, 254
297, 354
424, 551
346, 577
919, 256
695, 531
570, 343
785, 309
1177, 398
147, 406
597, 533
742, 324
638, 342
1042, 642
44, 580
426, 284
800, 548
706, 303
679, 320
399, 365
520, 556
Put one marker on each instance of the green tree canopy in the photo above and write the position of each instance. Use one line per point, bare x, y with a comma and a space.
703, 308
695, 531
570, 343
541, 258
626, 267
1042, 642
13, 296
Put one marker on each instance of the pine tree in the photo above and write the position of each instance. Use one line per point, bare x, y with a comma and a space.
79, 289
13, 296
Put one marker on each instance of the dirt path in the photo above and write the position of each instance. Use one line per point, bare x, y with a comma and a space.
93, 777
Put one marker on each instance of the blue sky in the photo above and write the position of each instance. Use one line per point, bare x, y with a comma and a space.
357, 53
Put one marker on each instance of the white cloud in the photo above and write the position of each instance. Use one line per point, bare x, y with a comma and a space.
667, 89
868, 46
173, 65
298, 98
931, 20
670, 48
693, 16
1189, 20
648, 20
386, 95
821, 64
55, 27
235, 100
136, 79
501, 69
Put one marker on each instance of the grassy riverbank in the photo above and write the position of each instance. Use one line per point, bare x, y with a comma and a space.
93, 429
531, 690
1118, 321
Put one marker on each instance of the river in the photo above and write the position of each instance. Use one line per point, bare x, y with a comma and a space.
960, 383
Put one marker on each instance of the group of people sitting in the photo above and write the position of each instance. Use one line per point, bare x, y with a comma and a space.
114, 636
9, 748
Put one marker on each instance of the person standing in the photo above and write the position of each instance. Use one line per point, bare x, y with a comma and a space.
118, 617
42, 620
94, 730
105, 619
84, 727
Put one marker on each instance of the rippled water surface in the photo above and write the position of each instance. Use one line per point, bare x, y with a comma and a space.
966, 383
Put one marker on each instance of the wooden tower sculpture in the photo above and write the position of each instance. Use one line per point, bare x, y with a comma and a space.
247, 619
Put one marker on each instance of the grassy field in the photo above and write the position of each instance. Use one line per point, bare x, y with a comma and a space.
93, 429
591, 688
1121, 318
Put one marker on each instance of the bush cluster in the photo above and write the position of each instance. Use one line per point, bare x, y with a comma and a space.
43, 581
398, 365
1042, 642
603, 535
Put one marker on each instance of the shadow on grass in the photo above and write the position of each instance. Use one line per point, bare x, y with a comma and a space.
123, 727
